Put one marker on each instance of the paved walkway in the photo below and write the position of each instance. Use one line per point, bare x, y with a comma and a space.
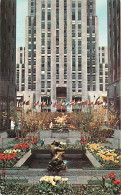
75, 176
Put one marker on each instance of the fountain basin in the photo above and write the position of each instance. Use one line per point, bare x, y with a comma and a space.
74, 159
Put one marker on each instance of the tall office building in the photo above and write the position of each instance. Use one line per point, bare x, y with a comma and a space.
61, 50
20, 69
7, 60
114, 54
103, 71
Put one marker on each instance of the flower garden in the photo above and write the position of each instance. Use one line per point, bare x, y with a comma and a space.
105, 179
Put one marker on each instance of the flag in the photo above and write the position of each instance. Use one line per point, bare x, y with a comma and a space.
97, 100
55, 104
27, 103
91, 103
24, 102
67, 103
43, 104
37, 103
78, 102
21, 100
72, 102
83, 103
63, 103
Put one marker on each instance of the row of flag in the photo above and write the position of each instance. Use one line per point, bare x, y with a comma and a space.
65, 104
78, 103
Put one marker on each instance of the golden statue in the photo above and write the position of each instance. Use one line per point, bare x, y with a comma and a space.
56, 163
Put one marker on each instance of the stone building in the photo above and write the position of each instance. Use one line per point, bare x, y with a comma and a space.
103, 71
114, 54
7, 60
61, 51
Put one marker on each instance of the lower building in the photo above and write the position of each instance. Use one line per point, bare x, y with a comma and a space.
7, 61
114, 55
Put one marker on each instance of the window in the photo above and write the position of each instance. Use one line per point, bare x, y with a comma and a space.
73, 4
49, 15
79, 76
48, 76
79, 84
43, 4
73, 84
48, 25
42, 84
42, 67
57, 59
43, 51
43, 15
48, 84
101, 80
73, 76
101, 87
42, 76
43, 25
34, 86
49, 4
79, 14
79, 4
94, 88
73, 14
57, 76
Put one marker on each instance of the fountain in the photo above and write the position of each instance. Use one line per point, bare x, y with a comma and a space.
56, 163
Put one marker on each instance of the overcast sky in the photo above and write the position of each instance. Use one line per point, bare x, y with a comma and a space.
101, 12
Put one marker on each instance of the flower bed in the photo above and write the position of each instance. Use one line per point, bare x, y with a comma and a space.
109, 158
55, 185
10, 156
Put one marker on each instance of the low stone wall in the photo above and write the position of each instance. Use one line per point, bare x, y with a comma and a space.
23, 159
3, 137
93, 160
71, 136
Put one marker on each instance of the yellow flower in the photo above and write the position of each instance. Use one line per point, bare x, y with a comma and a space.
64, 179
57, 178
118, 157
53, 183
62, 143
116, 161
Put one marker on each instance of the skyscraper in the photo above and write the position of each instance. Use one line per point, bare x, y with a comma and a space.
20, 69
7, 60
114, 54
62, 50
103, 71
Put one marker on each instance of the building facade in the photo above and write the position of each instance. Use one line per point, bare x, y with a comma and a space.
61, 51
20, 69
114, 54
7, 60
103, 71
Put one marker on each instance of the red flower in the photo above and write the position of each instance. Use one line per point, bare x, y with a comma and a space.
115, 182
82, 138
106, 176
3, 172
112, 175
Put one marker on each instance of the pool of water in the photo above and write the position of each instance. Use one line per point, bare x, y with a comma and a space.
41, 161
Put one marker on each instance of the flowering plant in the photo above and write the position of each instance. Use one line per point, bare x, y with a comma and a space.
107, 157
111, 184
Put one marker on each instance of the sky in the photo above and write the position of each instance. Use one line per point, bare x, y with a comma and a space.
101, 12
